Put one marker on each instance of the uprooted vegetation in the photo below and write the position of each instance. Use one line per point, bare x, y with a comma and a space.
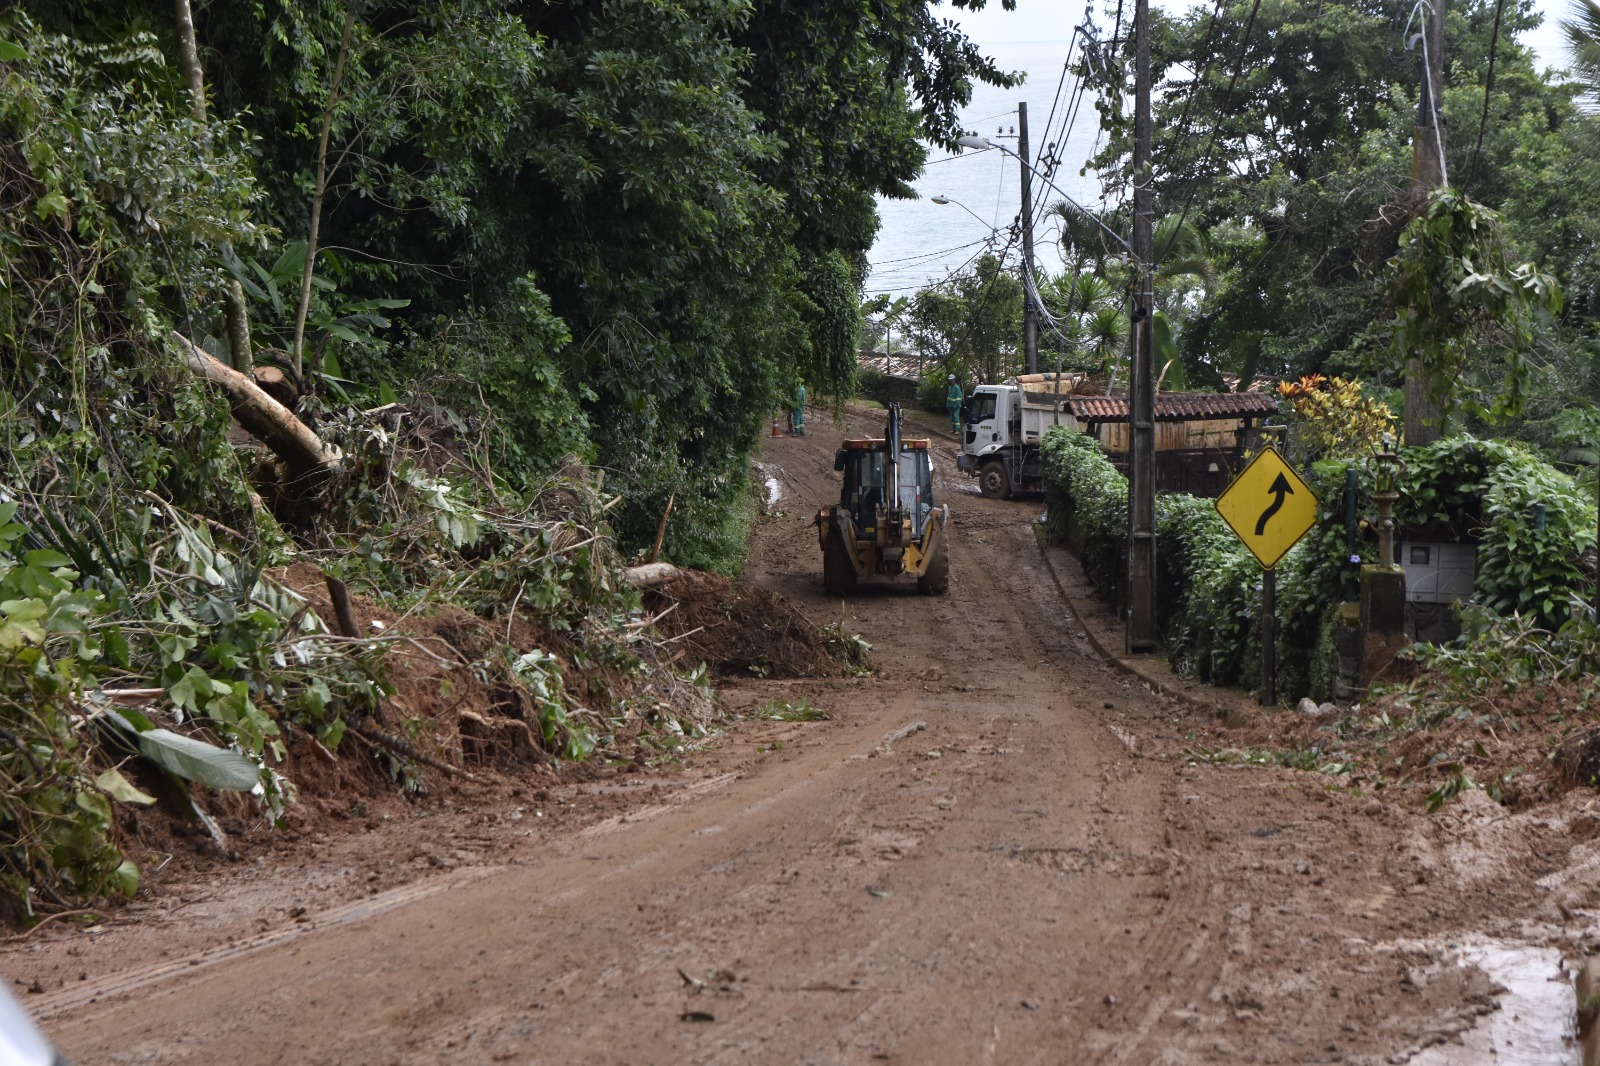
459, 630
189, 611
150, 654
1508, 707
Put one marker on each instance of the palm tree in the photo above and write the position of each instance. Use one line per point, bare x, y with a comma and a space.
1082, 240
1182, 251
1583, 37
1095, 326
1088, 318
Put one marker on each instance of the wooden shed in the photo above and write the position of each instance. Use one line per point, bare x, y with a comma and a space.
1200, 436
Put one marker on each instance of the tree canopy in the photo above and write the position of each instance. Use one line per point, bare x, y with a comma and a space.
648, 217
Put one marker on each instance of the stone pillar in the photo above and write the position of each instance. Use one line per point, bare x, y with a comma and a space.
1349, 645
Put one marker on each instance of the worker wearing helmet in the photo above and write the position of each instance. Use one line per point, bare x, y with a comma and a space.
952, 403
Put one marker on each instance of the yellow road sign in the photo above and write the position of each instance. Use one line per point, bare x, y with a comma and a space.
1268, 506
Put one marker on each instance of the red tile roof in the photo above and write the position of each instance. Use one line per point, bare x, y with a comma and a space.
1177, 406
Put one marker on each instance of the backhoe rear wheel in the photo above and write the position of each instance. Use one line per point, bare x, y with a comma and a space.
838, 571
993, 481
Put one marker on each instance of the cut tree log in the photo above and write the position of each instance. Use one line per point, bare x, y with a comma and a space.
646, 575
276, 383
310, 462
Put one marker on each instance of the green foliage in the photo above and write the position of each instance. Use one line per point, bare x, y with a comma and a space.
933, 389
540, 673
1455, 289
1522, 568
1486, 491
714, 165
508, 363
711, 167
1208, 584
57, 836
1089, 322
1506, 653
1313, 759
970, 324
853, 652
776, 710
1088, 505
1272, 144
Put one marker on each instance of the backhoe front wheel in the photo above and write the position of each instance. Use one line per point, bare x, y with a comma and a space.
993, 481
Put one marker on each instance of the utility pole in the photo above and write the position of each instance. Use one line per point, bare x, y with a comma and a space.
1423, 411
1141, 624
1030, 313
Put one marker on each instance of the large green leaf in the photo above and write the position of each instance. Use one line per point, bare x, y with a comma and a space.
113, 784
191, 759
195, 760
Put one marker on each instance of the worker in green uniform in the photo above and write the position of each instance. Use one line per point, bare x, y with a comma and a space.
952, 403
797, 415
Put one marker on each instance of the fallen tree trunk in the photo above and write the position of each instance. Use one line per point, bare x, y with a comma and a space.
310, 462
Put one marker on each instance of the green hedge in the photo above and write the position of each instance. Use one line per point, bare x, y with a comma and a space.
1487, 490
1208, 584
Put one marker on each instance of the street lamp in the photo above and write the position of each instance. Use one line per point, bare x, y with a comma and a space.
942, 200
984, 142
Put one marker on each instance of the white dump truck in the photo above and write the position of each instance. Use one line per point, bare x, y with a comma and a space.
1001, 426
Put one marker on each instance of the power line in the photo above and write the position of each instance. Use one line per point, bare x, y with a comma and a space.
1199, 83
1211, 144
1488, 87
932, 255
950, 275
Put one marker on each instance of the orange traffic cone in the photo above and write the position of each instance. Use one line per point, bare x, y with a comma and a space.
775, 432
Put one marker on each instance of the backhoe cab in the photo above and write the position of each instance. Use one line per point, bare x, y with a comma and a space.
886, 522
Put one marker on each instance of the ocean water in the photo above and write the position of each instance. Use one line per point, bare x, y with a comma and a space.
920, 241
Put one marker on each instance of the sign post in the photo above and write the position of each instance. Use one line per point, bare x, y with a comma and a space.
1269, 507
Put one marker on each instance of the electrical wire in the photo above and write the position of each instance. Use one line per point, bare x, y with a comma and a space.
1181, 140
1211, 143
1488, 87
950, 276
933, 255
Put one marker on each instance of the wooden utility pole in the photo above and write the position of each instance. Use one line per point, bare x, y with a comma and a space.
1141, 624
1423, 411
1030, 312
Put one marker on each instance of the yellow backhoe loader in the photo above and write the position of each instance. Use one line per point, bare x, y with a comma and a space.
886, 522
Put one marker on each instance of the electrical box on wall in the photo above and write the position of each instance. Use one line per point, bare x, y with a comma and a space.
1439, 573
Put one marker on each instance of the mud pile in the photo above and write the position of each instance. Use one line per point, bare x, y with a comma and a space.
740, 630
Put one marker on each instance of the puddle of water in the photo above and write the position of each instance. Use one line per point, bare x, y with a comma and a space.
1536, 1024
774, 491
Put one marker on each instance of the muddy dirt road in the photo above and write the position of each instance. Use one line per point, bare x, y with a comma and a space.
994, 851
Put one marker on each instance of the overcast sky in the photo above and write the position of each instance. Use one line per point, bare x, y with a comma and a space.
1053, 20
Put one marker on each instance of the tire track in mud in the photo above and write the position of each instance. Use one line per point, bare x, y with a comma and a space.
995, 570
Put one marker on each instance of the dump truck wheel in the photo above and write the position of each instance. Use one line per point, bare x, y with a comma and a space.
993, 481
838, 571
935, 580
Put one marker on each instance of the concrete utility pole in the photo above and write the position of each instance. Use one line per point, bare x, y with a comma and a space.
1141, 626
1030, 313
1423, 411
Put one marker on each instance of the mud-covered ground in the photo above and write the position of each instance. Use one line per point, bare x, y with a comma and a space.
996, 848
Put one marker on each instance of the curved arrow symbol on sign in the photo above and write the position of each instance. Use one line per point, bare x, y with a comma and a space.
1280, 488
